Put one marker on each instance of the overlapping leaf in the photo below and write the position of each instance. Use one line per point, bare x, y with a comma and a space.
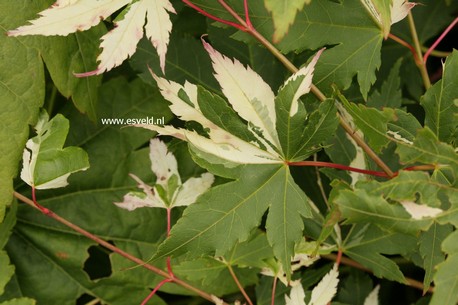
120, 43
231, 142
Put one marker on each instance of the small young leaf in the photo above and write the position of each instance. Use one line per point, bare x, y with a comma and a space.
169, 191
45, 163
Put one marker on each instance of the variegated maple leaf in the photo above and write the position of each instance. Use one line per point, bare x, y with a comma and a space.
322, 294
387, 12
169, 190
250, 97
68, 16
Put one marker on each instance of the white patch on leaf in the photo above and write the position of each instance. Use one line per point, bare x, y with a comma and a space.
419, 211
163, 163
296, 295
397, 136
400, 9
164, 166
250, 96
372, 298
306, 83
323, 293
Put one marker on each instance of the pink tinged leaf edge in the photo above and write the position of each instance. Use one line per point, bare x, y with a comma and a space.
158, 18
121, 42
163, 162
400, 9
52, 23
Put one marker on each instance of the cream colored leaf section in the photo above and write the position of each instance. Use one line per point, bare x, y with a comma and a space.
419, 211
323, 293
372, 298
163, 162
222, 145
193, 188
159, 26
121, 42
306, 83
146, 198
400, 9
220, 142
296, 295
70, 16
250, 96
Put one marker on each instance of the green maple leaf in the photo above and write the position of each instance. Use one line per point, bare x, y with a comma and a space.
46, 164
441, 103
259, 133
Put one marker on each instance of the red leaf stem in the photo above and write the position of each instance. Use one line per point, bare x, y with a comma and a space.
206, 14
339, 166
438, 40
407, 45
155, 290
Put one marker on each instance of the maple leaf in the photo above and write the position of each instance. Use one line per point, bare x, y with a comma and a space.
69, 16
385, 13
250, 97
169, 191
45, 164
322, 294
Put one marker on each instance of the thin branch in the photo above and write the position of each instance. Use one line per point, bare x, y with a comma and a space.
421, 65
447, 30
115, 249
319, 182
349, 262
239, 285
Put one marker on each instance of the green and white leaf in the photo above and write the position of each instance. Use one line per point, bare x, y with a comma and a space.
283, 15
247, 93
120, 43
169, 191
68, 17
296, 295
46, 164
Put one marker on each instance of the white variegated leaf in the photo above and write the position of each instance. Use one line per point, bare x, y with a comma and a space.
163, 163
307, 72
193, 188
250, 96
159, 26
296, 295
220, 143
372, 298
400, 9
323, 293
70, 16
419, 211
121, 42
